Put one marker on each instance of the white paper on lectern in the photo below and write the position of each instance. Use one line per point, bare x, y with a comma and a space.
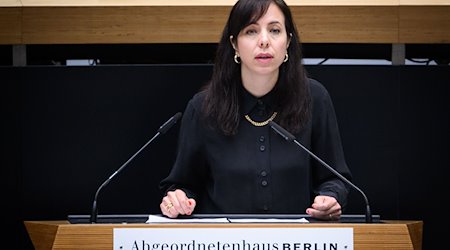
269, 220
161, 219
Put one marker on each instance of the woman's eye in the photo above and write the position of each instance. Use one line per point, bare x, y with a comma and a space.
275, 31
250, 32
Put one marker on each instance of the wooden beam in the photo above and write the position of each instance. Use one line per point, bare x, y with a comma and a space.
11, 25
424, 24
202, 21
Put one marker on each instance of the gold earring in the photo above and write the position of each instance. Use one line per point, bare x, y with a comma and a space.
286, 58
236, 57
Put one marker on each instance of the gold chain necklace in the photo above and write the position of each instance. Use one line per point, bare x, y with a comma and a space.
263, 123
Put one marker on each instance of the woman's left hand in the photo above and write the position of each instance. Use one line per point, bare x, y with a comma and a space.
325, 208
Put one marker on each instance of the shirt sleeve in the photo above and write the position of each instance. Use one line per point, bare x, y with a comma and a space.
188, 170
326, 144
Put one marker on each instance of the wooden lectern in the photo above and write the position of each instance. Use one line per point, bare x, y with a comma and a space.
63, 235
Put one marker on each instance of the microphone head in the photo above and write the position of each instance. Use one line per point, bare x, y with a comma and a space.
177, 116
169, 123
281, 131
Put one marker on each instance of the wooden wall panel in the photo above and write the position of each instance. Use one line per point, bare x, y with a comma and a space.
347, 24
424, 24
123, 25
138, 21
10, 25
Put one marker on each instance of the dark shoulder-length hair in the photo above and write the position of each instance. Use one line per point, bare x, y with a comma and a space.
222, 103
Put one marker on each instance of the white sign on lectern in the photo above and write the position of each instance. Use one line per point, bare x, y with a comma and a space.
241, 238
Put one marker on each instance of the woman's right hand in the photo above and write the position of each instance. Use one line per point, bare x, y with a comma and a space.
176, 203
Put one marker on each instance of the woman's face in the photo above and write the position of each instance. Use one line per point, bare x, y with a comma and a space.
262, 46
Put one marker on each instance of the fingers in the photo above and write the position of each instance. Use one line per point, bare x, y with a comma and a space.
324, 215
167, 209
325, 208
177, 203
191, 204
180, 202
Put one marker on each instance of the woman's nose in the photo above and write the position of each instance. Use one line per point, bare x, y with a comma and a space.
263, 40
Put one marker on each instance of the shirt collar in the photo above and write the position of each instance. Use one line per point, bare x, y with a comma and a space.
250, 102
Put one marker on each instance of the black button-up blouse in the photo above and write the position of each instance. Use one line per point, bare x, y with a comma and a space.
256, 170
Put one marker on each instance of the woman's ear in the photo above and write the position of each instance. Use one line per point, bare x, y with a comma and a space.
232, 43
289, 40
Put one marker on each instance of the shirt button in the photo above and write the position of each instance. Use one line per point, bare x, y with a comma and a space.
263, 173
262, 148
264, 183
262, 138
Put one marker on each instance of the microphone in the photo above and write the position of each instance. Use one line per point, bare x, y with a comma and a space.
289, 137
162, 129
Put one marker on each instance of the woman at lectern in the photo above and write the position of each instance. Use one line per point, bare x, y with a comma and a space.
229, 159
